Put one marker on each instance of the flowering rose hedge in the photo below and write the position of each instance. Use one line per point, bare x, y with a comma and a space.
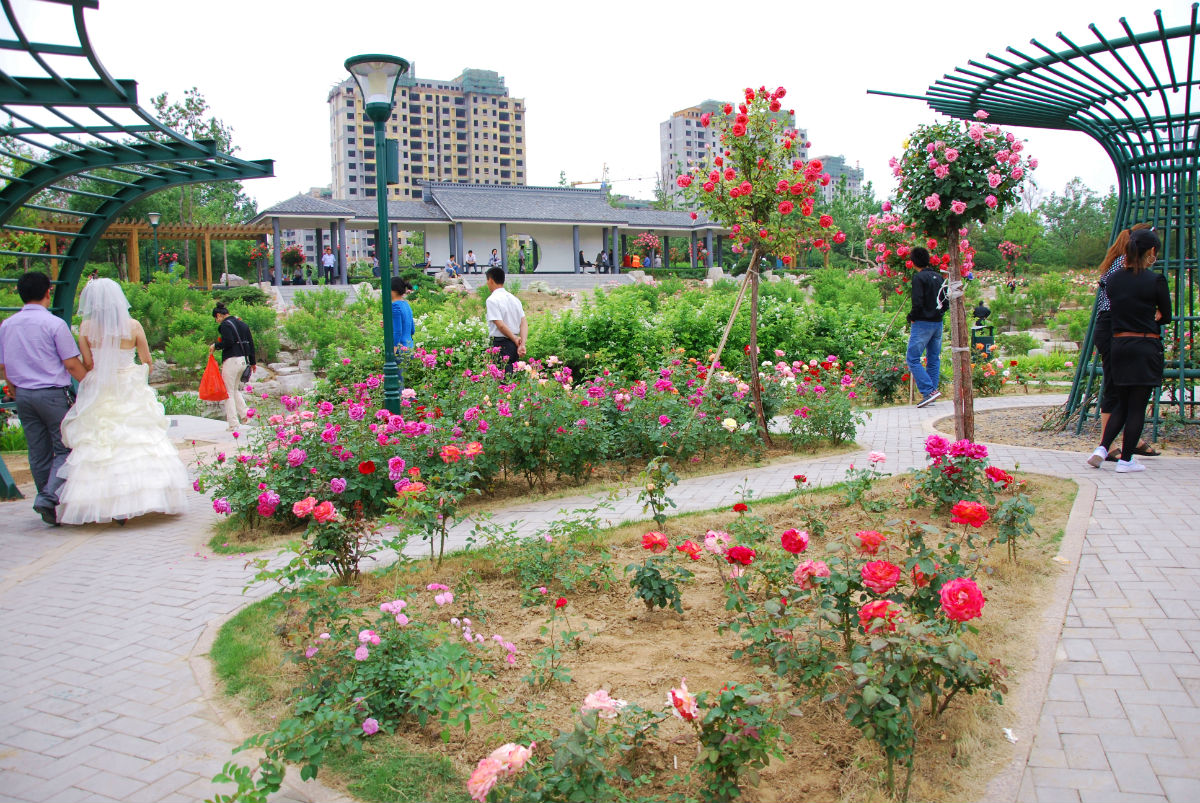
537, 423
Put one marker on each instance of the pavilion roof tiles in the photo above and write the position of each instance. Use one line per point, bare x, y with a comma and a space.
446, 202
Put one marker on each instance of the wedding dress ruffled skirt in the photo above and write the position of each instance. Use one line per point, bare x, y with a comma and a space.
121, 464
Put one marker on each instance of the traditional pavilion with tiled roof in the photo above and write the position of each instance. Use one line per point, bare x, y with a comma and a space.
560, 222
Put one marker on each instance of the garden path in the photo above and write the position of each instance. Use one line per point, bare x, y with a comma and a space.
105, 692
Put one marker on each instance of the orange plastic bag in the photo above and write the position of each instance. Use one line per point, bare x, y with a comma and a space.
212, 385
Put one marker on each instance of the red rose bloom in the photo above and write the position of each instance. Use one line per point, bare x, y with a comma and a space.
869, 541
879, 616
739, 130
741, 554
691, 549
825, 221
366, 467
655, 542
972, 513
794, 541
740, 507
961, 599
998, 475
880, 576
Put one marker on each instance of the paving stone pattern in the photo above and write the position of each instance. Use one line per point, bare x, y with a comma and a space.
102, 629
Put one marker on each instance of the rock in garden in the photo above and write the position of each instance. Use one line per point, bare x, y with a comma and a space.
715, 274
232, 280
296, 383
1063, 345
160, 372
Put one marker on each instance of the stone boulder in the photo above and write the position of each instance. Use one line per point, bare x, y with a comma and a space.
1038, 353
539, 286
716, 274
160, 371
364, 291
636, 275
232, 280
455, 289
444, 279
295, 383
1063, 345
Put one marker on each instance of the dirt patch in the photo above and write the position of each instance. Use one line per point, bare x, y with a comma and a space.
637, 654
1025, 427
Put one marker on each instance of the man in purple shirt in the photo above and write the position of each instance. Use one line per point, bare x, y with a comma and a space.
38, 357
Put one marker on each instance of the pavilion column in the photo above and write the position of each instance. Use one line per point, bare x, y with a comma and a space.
135, 258
666, 251
575, 248
695, 242
453, 253
504, 247
395, 252
461, 253
720, 260
341, 249
332, 247
276, 243
208, 260
318, 247
708, 246
616, 252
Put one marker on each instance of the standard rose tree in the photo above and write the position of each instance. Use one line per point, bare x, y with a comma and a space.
951, 175
758, 189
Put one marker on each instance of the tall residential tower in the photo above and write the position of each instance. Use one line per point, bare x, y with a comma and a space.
465, 130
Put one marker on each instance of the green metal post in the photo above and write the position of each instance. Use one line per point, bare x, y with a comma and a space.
379, 113
155, 227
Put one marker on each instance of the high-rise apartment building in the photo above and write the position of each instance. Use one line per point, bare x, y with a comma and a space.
837, 169
683, 142
464, 130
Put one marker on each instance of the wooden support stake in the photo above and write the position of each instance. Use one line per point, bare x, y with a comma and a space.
134, 257
208, 279
960, 347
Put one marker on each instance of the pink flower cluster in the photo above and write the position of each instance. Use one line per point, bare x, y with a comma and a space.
505, 760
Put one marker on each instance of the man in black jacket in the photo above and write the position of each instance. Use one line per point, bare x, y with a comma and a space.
237, 351
929, 304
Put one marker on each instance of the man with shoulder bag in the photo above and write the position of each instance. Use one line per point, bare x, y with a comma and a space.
238, 362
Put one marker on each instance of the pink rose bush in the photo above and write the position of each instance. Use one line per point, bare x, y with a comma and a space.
539, 422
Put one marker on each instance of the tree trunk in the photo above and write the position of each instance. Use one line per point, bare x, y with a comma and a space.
960, 347
755, 383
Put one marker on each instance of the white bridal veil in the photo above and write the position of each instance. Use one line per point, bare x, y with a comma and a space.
106, 323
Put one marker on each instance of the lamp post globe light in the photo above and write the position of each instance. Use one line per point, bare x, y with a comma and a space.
154, 218
377, 76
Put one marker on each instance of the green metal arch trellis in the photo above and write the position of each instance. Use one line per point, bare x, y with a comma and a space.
1136, 95
82, 148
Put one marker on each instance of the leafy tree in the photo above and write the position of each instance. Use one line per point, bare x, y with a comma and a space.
1078, 224
851, 210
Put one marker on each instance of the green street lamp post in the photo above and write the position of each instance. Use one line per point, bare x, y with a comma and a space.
154, 218
377, 76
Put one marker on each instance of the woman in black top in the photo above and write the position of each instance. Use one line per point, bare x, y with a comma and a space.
1140, 305
1114, 262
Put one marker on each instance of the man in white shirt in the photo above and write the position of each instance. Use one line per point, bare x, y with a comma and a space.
470, 266
505, 320
328, 264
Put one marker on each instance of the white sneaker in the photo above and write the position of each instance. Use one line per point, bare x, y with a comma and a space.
930, 399
1098, 457
1129, 466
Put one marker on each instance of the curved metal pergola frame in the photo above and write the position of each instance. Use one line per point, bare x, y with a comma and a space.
82, 147
1136, 95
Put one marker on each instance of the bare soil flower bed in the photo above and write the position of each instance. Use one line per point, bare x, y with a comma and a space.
638, 655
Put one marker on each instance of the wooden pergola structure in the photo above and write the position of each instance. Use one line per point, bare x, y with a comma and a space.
132, 231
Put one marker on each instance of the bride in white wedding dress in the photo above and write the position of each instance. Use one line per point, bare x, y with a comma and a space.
121, 464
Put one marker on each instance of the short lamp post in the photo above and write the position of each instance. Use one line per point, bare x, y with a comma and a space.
154, 218
377, 76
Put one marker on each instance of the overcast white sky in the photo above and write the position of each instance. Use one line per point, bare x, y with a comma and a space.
597, 78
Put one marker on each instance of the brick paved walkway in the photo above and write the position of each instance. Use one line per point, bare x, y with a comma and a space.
104, 692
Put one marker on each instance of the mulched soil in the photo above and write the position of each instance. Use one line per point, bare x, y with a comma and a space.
1025, 427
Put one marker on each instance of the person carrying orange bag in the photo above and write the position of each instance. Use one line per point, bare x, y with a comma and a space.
212, 386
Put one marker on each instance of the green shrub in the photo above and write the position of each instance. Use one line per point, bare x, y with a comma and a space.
188, 353
182, 404
249, 296
1017, 344
833, 287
